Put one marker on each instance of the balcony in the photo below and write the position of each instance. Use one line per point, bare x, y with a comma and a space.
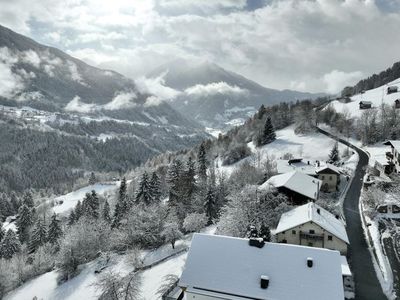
389, 155
311, 236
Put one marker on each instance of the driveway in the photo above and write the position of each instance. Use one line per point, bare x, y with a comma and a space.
366, 282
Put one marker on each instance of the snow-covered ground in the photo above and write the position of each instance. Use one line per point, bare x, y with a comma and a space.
376, 96
65, 203
311, 146
83, 285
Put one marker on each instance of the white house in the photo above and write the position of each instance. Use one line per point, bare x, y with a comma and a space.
297, 186
311, 225
220, 267
330, 177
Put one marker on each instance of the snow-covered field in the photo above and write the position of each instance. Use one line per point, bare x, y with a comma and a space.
312, 146
68, 201
376, 96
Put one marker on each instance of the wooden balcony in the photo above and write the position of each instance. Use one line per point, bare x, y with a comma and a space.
311, 236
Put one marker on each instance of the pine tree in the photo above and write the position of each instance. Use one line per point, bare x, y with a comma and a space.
38, 236
24, 222
72, 217
106, 212
92, 179
268, 133
265, 233
202, 163
190, 180
9, 245
155, 188
55, 231
90, 205
28, 200
78, 210
2, 232
121, 205
334, 154
174, 180
144, 194
209, 205
261, 111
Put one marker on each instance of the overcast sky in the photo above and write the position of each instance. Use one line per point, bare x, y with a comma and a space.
305, 45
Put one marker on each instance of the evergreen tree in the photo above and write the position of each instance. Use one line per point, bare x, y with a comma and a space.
92, 179
334, 154
15, 202
174, 180
90, 205
261, 111
144, 194
55, 231
106, 212
72, 217
2, 232
268, 134
121, 205
24, 222
190, 180
38, 236
9, 245
209, 205
28, 200
265, 233
78, 210
202, 163
155, 188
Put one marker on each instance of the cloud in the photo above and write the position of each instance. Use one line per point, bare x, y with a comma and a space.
11, 83
76, 105
156, 86
336, 80
121, 101
214, 88
31, 57
74, 73
279, 44
153, 101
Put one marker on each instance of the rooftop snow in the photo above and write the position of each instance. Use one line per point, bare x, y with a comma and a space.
295, 181
329, 167
283, 166
219, 265
395, 144
345, 266
307, 213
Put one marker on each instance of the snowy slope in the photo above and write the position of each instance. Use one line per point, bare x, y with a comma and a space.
66, 202
375, 96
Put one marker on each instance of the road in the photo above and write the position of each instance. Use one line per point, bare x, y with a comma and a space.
366, 282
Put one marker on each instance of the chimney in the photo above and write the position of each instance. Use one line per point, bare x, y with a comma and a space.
309, 262
256, 242
308, 162
318, 211
264, 281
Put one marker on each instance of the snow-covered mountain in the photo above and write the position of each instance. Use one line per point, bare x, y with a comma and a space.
216, 97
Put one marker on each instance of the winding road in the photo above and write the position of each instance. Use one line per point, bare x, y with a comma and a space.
366, 282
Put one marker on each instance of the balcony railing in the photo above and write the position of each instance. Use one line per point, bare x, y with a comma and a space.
389, 155
311, 236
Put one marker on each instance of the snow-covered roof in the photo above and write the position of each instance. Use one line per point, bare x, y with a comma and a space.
345, 266
328, 167
309, 213
295, 181
283, 166
229, 268
394, 144
366, 102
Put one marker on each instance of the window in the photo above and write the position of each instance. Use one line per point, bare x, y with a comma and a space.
330, 178
283, 232
322, 177
329, 238
312, 231
284, 241
310, 244
293, 231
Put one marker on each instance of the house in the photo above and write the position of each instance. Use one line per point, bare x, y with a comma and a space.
393, 156
382, 166
391, 89
330, 177
220, 267
311, 225
290, 165
365, 104
397, 103
298, 187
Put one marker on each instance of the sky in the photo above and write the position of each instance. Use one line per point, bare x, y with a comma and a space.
315, 46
